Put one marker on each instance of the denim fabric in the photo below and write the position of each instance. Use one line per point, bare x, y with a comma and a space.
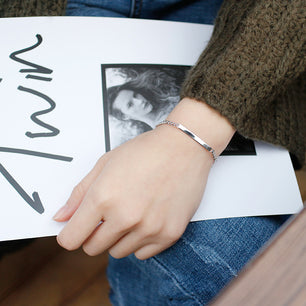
196, 268
197, 11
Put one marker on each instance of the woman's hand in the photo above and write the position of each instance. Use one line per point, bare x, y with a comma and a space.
145, 192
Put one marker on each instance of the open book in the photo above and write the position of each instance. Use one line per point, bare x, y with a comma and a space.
59, 82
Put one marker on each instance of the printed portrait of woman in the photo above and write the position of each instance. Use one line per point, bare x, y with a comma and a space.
139, 97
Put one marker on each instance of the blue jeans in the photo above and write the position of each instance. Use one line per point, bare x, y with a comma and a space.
210, 253
198, 11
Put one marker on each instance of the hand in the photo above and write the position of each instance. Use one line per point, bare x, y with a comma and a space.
145, 191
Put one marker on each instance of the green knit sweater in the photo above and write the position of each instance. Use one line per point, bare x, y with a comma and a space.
252, 71
24, 8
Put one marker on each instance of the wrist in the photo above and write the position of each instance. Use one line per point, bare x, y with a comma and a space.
204, 121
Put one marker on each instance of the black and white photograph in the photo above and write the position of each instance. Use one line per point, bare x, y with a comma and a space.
139, 96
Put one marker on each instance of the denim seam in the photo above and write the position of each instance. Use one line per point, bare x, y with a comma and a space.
132, 9
137, 6
177, 282
220, 259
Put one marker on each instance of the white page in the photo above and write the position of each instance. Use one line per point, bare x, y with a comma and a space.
239, 186
74, 49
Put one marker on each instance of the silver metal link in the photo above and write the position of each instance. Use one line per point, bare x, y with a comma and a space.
192, 135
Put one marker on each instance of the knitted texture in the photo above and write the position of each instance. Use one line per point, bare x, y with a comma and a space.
23, 8
252, 71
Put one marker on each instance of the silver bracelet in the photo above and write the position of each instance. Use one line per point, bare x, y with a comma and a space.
192, 135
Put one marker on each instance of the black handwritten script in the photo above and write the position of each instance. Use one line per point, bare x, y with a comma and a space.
36, 73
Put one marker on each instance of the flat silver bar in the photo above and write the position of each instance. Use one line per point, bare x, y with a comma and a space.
192, 135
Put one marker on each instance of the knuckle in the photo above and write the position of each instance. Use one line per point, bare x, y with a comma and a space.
129, 221
97, 200
171, 234
151, 229
78, 191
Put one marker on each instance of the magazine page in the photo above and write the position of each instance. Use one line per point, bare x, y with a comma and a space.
59, 79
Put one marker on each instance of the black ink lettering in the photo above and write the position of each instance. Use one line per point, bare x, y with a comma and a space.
1, 80
35, 153
35, 77
35, 203
54, 131
37, 68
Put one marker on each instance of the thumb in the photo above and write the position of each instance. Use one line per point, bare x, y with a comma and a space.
79, 191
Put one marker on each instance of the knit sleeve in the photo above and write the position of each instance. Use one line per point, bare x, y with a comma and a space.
18, 8
252, 71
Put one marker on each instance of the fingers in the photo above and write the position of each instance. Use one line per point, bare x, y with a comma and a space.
123, 243
81, 225
106, 235
150, 250
79, 191
146, 241
117, 225
84, 226
128, 244
124, 230
120, 233
142, 248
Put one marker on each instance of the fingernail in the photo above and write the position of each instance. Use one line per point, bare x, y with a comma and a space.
60, 214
